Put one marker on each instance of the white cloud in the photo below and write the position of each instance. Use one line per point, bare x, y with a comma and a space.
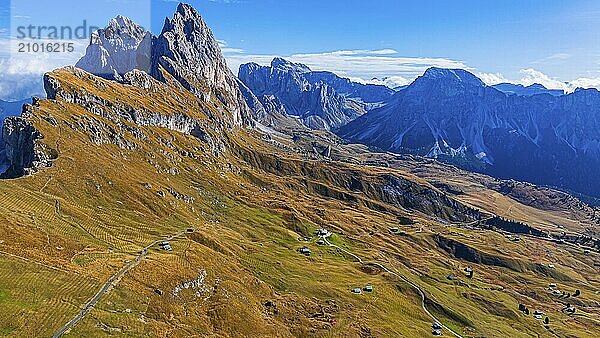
585, 83
16, 86
226, 1
531, 76
21, 73
554, 59
389, 81
559, 56
491, 79
365, 52
228, 50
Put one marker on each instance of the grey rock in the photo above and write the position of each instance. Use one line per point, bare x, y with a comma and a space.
118, 49
368, 93
317, 105
185, 51
23, 152
267, 109
188, 51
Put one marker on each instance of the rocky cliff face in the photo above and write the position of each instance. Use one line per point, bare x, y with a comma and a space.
267, 109
316, 105
118, 49
188, 51
368, 93
452, 115
23, 153
185, 51
8, 109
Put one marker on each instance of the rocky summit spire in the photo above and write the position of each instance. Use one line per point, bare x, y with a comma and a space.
185, 51
118, 49
188, 51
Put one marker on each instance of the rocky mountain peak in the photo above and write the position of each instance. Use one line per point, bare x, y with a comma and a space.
282, 64
124, 25
186, 17
314, 101
452, 76
446, 82
117, 49
188, 51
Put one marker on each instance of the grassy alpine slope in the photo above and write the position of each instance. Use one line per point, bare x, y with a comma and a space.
118, 185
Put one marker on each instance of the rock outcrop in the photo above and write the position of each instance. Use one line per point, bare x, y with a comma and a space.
188, 51
124, 113
267, 109
23, 152
368, 93
316, 105
118, 49
185, 51
8, 109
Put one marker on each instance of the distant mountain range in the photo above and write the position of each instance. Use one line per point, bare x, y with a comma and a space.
534, 89
510, 131
453, 116
320, 100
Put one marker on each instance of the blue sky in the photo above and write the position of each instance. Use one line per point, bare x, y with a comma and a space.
525, 41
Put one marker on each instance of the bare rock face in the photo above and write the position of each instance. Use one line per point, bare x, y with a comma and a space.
24, 154
118, 49
8, 109
267, 109
316, 104
188, 51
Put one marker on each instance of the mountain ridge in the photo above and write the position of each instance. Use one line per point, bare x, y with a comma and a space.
442, 115
533, 89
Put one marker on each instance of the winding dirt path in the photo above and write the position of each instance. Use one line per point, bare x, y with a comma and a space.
415, 286
114, 280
